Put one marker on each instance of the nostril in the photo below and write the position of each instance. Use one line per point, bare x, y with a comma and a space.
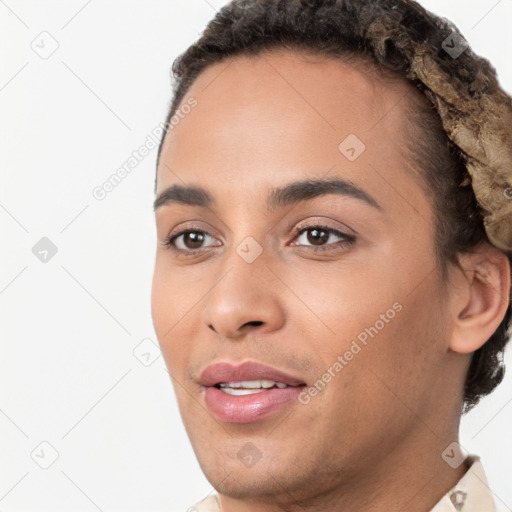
254, 322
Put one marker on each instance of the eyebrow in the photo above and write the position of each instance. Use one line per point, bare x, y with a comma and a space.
291, 193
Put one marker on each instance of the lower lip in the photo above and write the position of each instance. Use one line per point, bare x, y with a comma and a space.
248, 408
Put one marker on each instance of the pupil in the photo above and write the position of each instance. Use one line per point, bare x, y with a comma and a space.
315, 238
195, 238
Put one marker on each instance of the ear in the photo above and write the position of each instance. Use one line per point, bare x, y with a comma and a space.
480, 302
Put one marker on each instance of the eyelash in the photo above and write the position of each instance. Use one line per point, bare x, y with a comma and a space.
347, 242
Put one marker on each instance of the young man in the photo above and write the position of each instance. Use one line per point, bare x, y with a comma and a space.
332, 279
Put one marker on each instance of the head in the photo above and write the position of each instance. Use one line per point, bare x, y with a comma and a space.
379, 256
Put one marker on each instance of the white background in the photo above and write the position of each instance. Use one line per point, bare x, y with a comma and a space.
69, 326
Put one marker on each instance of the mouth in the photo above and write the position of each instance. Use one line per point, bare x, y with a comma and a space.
247, 392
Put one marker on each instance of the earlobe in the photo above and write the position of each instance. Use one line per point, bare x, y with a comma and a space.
481, 307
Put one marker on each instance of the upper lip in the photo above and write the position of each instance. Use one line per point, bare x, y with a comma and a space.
248, 370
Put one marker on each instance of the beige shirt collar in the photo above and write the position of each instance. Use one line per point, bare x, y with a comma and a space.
470, 494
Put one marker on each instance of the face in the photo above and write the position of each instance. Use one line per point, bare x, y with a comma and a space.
332, 287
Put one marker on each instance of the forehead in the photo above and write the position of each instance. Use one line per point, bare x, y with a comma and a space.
267, 119
282, 72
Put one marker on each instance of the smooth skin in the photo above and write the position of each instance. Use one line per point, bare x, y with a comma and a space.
372, 439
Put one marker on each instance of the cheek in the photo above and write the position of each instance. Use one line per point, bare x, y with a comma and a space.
384, 320
160, 297
340, 303
170, 302
174, 294
393, 369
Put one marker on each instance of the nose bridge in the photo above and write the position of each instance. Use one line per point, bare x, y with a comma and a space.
244, 271
247, 251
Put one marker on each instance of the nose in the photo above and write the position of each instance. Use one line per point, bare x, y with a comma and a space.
245, 298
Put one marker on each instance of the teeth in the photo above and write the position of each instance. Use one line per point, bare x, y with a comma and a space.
252, 384
231, 391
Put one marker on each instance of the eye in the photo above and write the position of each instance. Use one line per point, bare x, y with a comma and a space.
318, 235
187, 241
